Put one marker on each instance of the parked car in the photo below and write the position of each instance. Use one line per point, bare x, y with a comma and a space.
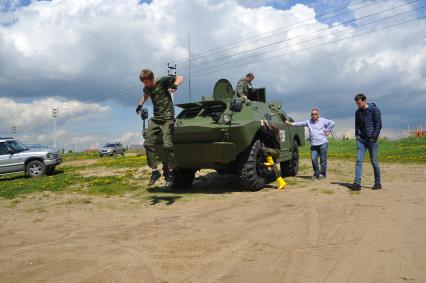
111, 149
16, 157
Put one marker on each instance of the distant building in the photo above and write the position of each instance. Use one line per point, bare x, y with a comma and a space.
418, 133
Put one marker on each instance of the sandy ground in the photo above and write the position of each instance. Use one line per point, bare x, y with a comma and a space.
314, 231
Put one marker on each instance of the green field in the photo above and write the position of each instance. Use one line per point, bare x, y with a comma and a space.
70, 179
404, 150
129, 178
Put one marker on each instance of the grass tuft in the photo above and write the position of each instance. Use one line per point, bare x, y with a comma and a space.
411, 149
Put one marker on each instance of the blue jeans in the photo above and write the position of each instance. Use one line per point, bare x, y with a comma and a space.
321, 151
373, 149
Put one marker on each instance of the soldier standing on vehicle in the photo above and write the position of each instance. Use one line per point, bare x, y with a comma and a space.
270, 135
162, 123
319, 129
244, 85
368, 123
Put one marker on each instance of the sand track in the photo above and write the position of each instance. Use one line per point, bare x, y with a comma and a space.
315, 231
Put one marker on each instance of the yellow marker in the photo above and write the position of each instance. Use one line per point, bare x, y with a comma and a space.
269, 161
281, 183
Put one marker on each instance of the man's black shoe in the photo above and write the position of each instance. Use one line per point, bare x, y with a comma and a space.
377, 187
166, 173
154, 177
170, 179
355, 187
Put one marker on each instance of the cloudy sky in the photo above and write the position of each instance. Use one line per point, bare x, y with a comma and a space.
84, 57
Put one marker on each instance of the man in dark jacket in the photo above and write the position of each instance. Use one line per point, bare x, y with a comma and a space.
368, 123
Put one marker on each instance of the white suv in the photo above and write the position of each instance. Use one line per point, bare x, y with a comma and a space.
16, 157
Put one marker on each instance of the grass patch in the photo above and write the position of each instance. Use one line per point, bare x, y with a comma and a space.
411, 149
67, 179
328, 192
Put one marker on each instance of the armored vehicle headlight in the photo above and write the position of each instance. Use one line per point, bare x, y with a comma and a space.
226, 118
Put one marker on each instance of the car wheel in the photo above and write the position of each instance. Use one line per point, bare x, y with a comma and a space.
35, 168
289, 168
183, 178
253, 175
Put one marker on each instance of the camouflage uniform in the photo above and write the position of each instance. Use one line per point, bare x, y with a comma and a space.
162, 123
243, 86
271, 143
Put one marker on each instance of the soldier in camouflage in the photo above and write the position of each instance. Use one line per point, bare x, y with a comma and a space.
244, 85
270, 135
162, 123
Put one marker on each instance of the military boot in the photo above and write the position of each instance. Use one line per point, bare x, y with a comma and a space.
154, 177
170, 178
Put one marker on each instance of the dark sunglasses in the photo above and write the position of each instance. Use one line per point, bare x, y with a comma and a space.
314, 114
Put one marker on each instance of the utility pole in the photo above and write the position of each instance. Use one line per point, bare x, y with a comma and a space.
13, 131
189, 68
55, 112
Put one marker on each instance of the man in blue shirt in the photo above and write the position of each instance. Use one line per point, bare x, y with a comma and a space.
368, 123
319, 128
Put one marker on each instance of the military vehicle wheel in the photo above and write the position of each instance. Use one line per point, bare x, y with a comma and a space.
183, 178
253, 173
290, 167
35, 168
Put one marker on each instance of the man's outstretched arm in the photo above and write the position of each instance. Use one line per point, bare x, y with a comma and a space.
178, 81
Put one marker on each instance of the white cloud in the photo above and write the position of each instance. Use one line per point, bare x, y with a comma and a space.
79, 49
36, 116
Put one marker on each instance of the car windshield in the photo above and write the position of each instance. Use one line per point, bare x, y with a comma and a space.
109, 145
16, 146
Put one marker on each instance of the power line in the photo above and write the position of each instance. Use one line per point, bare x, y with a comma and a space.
119, 86
124, 91
259, 37
305, 41
301, 36
312, 47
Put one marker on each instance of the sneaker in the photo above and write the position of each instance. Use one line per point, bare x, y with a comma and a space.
315, 177
355, 187
321, 176
377, 187
170, 179
154, 177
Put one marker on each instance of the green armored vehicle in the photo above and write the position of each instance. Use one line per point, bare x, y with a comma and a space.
221, 132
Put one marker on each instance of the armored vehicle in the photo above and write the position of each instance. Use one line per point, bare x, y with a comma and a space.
221, 132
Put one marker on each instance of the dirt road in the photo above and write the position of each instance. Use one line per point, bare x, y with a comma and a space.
314, 231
